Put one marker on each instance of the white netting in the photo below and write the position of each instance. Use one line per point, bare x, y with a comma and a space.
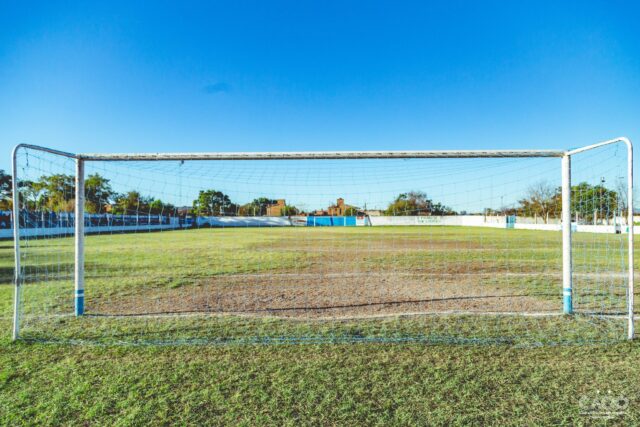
464, 250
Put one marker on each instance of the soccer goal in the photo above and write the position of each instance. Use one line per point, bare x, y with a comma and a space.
523, 247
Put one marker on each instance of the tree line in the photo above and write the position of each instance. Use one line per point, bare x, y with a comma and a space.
416, 203
214, 203
56, 193
588, 202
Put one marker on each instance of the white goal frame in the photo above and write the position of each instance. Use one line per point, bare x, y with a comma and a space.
564, 155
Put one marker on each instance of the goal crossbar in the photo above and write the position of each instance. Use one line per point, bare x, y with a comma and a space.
304, 155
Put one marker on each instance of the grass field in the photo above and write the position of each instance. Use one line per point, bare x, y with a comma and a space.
232, 283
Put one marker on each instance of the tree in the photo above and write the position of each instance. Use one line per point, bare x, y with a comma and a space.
289, 211
133, 203
5, 190
212, 202
98, 194
351, 211
543, 200
158, 207
587, 201
130, 203
416, 203
55, 192
258, 207
50, 192
591, 201
622, 189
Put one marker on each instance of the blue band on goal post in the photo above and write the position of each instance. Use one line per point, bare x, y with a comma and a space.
567, 299
79, 302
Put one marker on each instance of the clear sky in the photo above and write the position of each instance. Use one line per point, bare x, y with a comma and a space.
301, 75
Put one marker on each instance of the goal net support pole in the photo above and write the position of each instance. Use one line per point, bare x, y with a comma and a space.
79, 239
567, 285
16, 245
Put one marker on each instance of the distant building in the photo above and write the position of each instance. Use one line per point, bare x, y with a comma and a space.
373, 212
340, 208
276, 208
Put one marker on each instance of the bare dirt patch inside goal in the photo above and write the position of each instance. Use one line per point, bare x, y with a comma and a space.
335, 295
317, 274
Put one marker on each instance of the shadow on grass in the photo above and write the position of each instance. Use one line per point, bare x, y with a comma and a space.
312, 308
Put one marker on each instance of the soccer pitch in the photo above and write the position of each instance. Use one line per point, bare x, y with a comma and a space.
243, 285
382, 382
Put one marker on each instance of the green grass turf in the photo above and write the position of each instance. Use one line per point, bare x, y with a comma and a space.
160, 273
301, 384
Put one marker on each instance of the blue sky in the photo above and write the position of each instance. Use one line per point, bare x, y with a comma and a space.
270, 76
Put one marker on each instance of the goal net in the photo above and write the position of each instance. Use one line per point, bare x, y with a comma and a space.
461, 247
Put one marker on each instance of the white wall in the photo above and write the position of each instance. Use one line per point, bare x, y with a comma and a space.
247, 221
494, 222
460, 220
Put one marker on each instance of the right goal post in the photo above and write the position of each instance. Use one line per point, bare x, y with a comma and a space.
515, 246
